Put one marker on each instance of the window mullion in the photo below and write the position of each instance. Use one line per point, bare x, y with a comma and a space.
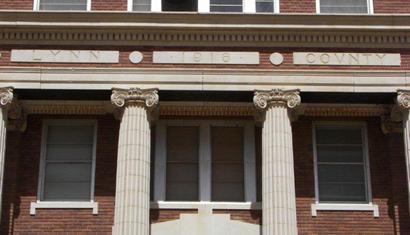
203, 5
249, 6
160, 162
249, 163
205, 164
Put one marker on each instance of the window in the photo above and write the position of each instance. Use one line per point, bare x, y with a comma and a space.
179, 5
205, 161
141, 5
345, 6
265, 6
341, 164
62, 5
226, 5
68, 161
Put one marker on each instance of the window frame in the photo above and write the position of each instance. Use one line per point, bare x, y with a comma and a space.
36, 6
370, 8
248, 6
205, 164
41, 203
343, 206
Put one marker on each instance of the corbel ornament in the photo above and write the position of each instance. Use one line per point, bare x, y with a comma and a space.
123, 97
6, 96
263, 99
403, 99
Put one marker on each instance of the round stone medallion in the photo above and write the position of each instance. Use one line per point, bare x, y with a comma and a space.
136, 57
276, 58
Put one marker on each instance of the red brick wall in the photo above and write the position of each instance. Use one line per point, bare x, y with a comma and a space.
21, 179
299, 6
112, 5
391, 6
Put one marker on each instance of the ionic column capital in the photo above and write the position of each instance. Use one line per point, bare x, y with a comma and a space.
6, 96
123, 97
403, 99
264, 99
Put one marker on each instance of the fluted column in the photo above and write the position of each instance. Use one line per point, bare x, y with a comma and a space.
403, 100
6, 97
278, 183
133, 161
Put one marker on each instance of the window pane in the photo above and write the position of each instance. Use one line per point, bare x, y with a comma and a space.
83, 134
179, 5
141, 5
343, 6
340, 154
68, 166
341, 166
69, 152
338, 136
226, 5
67, 181
66, 5
264, 5
227, 164
182, 163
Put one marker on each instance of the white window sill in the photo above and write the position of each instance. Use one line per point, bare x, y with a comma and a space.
210, 205
63, 205
344, 207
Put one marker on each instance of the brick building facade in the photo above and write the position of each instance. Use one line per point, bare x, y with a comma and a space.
249, 117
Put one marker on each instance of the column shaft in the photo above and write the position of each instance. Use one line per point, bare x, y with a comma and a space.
132, 194
133, 173
278, 187
406, 135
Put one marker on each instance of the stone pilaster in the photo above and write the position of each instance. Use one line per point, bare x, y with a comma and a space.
6, 97
403, 100
278, 183
133, 160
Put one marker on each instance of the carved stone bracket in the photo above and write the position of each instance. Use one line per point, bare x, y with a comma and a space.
6, 96
147, 98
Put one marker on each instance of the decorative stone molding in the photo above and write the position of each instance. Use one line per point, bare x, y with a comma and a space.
263, 99
6, 96
66, 107
215, 110
123, 97
345, 110
389, 126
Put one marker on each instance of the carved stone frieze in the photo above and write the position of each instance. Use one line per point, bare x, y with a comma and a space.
263, 99
123, 97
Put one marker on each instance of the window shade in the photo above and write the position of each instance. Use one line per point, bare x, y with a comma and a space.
227, 164
182, 163
343, 6
226, 5
141, 5
63, 5
68, 163
340, 165
264, 6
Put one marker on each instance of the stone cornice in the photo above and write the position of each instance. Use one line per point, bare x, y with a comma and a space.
345, 110
67, 107
192, 29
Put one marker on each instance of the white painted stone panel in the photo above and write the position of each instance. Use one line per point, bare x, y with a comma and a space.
64, 56
205, 57
346, 58
205, 223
